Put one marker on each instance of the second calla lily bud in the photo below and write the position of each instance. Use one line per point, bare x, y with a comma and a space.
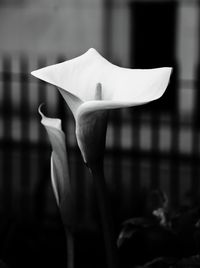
60, 176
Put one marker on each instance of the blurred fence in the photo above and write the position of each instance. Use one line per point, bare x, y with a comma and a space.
144, 150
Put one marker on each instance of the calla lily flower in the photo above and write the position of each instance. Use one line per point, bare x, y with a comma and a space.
91, 85
60, 176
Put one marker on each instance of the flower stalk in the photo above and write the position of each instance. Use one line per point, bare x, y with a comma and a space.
91, 137
70, 248
97, 172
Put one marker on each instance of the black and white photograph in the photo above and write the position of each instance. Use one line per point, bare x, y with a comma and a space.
99, 133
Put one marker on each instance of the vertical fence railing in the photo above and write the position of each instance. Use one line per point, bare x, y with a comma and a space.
24, 114
6, 157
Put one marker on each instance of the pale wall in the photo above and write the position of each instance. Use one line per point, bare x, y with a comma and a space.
66, 27
43, 26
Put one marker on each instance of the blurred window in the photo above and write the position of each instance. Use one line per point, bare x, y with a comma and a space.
153, 42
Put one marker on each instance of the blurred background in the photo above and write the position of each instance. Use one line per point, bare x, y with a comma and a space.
148, 147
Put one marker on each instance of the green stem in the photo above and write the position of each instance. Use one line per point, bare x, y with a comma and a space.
105, 213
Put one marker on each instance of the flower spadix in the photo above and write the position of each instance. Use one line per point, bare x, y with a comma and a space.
91, 85
60, 176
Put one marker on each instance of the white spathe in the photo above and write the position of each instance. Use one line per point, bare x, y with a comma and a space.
120, 86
